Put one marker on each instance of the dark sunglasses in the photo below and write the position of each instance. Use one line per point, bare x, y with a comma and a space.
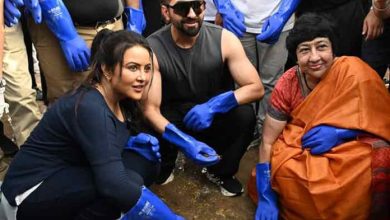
183, 8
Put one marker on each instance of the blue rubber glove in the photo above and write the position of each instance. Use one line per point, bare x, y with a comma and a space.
233, 20
58, 19
150, 207
145, 145
197, 151
135, 19
11, 12
267, 207
201, 116
33, 8
323, 138
273, 26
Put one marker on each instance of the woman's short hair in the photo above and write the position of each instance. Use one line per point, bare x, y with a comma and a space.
308, 27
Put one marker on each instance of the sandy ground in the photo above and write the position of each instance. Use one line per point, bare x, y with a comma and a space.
193, 196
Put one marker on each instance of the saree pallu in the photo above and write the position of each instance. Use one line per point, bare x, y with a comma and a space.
337, 184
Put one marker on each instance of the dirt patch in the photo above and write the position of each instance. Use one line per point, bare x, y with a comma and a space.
194, 197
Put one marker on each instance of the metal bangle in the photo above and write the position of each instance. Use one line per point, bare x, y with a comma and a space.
380, 9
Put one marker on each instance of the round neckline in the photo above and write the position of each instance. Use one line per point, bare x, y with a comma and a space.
108, 107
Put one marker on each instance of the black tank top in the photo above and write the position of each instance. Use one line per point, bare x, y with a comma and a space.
89, 12
190, 76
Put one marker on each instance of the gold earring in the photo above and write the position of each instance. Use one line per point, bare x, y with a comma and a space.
108, 77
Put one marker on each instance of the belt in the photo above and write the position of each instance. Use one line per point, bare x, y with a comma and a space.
100, 23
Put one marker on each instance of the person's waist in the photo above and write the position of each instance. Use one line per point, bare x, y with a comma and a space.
96, 24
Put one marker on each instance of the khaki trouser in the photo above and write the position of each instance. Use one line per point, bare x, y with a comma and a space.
23, 108
59, 78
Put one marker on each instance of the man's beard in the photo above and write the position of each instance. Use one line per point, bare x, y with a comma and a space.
191, 32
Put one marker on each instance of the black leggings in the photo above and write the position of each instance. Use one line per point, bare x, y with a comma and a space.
71, 193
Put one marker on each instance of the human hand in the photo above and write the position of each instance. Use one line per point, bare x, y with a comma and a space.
11, 12
135, 20
372, 26
77, 53
267, 208
201, 116
323, 138
145, 145
232, 19
197, 151
271, 29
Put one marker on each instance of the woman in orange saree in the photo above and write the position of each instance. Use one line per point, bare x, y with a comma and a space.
325, 115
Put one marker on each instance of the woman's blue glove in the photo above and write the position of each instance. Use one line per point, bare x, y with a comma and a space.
323, 138
197, 151
273, 26
201, 116
57, 18
267, 207
135, 19
233, 20
145, 145
11, 12
149, 206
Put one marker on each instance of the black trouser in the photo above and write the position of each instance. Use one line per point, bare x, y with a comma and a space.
71, 193
229, 135
376, 52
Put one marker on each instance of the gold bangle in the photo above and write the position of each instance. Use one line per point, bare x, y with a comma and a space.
380, 9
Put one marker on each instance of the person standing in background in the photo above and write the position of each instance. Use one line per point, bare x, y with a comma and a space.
262, 27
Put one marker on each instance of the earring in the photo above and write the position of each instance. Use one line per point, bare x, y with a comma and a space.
108, 76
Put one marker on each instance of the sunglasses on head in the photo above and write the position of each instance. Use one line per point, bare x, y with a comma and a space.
183, 8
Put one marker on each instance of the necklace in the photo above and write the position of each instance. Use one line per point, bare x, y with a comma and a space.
304, 79
307, 85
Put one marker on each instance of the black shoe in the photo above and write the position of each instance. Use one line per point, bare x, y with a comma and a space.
165, 177
229, 186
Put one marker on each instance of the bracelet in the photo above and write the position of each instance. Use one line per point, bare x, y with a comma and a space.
380, 9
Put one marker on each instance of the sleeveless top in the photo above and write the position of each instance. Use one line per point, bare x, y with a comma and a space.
190, 76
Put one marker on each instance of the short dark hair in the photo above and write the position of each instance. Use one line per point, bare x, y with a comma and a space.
308, 27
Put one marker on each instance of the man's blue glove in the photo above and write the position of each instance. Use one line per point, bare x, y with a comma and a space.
267, 207
323, 138
33, 8
201, 116
58, 19
11, 12
273, 26
197, 151
233, 20
145, 145
135, 19
149, 206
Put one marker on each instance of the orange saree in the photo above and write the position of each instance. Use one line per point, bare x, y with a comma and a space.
337, 184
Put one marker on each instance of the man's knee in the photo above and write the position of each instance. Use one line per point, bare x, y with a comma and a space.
244, 117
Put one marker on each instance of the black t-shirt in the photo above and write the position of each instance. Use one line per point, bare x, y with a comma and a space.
319, 5
88, 12
87, 136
